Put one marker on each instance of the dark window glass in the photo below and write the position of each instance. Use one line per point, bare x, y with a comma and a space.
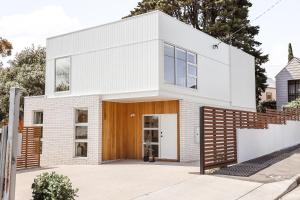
293, 90
81, 132
38, 117
150, 136
81, 116
151, 150
150, 122
81, 149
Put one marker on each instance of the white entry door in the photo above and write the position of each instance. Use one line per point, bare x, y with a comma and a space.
160, 135
168, 136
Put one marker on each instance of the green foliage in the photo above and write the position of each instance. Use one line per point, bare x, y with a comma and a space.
293, 104
5, 48
51, 186
266, 105
219, 18
26, 71
291, 55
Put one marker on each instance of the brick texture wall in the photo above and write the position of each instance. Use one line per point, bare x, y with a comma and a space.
189, 124
59, 126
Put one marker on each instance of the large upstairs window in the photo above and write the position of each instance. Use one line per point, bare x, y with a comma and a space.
293, 89
62, 74
180, 67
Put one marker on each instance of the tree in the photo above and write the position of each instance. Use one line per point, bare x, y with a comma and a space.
223, 19
5, 48
291, 55
26, 71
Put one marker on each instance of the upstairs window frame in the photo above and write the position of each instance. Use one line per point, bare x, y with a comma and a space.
189, 77
56, 89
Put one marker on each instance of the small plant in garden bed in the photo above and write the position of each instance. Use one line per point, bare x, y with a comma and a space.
52, 186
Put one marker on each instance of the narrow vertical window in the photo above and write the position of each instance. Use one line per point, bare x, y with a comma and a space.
192, 71
169, 68
180, 58
62, 74
81, 132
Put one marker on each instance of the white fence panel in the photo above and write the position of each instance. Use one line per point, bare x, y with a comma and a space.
253, 143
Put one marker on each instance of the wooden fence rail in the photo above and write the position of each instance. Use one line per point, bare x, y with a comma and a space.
218, 143
30, 150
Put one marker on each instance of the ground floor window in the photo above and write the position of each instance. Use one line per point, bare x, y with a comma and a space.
293, 90
38, 117
81, 132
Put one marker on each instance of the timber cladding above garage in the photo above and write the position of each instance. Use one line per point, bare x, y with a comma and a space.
122, 127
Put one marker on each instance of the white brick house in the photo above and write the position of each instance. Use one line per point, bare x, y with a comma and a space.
133, 88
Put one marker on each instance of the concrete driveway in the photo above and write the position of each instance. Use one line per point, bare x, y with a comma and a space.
137, 180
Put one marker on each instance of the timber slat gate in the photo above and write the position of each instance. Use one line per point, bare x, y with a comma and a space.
31, 148
218, 142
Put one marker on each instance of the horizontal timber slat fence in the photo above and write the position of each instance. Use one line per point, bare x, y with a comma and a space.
31, 148
218, 134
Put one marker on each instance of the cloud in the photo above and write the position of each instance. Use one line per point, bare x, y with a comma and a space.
33, 28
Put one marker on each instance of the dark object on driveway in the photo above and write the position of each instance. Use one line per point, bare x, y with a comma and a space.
146, 158
253, 166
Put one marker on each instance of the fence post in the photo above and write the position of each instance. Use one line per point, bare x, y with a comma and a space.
202, 170
12, 143
2, 158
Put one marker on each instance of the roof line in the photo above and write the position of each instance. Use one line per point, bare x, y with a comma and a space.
98, 26
294, 58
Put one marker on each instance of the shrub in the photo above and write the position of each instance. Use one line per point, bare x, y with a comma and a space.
266, 105
293, 104
51, 186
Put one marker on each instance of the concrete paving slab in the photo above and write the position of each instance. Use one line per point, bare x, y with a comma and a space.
270, 191
134, 180
203, 187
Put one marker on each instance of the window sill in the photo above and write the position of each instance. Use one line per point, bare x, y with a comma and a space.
180, 87
80, 158
37, 124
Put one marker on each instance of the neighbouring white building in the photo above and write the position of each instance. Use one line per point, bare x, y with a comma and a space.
288, 83
127, 88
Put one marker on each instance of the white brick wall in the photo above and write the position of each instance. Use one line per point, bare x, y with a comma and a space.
58, 128
189, 122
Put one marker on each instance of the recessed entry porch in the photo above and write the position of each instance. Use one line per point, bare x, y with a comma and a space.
130, 129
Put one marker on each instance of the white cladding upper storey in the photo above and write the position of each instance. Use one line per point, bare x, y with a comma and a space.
126, 57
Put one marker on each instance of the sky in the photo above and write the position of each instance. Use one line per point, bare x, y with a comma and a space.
30, 22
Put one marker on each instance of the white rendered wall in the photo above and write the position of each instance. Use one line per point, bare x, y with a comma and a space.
59, 128
222, 73
119, 57
124, 59
253, 143
242, 78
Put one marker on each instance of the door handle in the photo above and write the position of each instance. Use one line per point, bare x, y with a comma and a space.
161, 134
